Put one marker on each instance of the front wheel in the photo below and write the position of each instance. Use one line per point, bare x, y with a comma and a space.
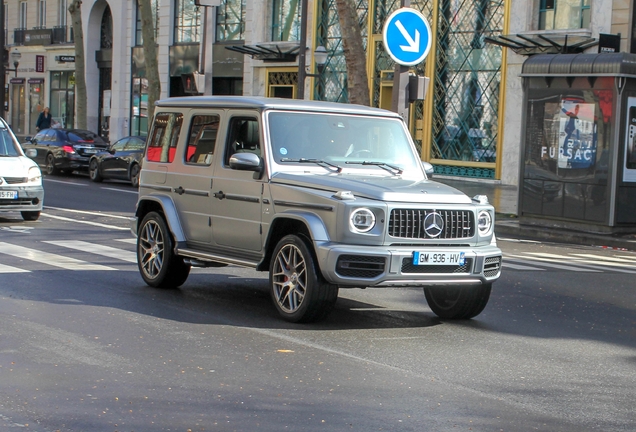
134, 175
458, 302
93, 171
158, 265
30, 215
50, 167
298, 290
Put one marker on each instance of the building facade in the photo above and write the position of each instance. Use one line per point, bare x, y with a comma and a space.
468, 126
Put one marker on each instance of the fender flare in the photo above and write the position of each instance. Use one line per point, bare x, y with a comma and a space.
315, 225
169, 211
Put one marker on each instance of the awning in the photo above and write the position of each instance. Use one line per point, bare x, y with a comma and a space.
586, 65
269, 52
543, 43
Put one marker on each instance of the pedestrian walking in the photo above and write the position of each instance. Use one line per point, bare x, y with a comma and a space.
44, 120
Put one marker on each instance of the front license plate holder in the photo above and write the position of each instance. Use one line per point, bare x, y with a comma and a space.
439, 258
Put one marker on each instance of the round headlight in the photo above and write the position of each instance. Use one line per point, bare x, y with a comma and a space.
362, 220
484, 222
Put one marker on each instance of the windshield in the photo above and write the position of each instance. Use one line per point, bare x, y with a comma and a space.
8, 147
83, 136
349, 142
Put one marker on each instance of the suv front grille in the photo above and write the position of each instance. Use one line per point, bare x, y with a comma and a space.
409, 267
15, 180
409, 223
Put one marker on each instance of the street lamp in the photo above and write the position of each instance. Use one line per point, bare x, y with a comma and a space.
15, 59
320, 57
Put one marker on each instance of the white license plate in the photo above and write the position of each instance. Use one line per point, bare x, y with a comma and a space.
439, 258
8, 194
90, 151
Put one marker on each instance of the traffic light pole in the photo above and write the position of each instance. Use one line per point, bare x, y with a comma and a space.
2, 67
400, 95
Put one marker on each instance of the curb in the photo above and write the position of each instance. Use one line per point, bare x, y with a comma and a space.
515, 230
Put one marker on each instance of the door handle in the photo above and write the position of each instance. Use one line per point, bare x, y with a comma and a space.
179, 190
220, 195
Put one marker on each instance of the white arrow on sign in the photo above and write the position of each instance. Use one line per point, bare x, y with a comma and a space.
413, 45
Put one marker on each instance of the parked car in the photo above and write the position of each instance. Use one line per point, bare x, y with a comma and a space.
64, 150
120, 161
20, 178
321, 195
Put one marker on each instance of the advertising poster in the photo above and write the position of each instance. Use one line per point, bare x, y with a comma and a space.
629, 172
577, 134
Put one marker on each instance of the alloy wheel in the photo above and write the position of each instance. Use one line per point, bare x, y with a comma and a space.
289, 278
151, 244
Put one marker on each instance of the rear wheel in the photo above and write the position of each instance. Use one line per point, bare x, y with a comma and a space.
30, 215
458, 302
297, 288
93, 171
158, 265
134, 175
50, 165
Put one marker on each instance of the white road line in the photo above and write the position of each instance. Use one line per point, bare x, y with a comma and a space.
49, 258
614, 259
97, 249
121, 190
89, 212
580, 264
541, 261
520, 267
86, 222
9, 269
128, 240
558, 258
65, 182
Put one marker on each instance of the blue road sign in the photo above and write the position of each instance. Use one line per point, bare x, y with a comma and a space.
407, 36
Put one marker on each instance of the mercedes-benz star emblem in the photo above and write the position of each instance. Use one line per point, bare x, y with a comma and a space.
433, 224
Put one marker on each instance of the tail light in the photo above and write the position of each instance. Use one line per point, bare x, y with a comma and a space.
68, 149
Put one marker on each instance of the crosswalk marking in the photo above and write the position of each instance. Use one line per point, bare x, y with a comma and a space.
546, 263
54, 260
521, 267
97, 249
127, 240
9, 269
612, 259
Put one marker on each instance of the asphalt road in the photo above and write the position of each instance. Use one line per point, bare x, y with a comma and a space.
86, 346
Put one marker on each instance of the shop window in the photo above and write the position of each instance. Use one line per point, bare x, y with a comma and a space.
564, 14
286, 20
139, 40
162, 143
230, 20
187, 22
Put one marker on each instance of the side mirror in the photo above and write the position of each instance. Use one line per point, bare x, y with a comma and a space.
31, 153
28, 138
245, 162
111, 150
428, 169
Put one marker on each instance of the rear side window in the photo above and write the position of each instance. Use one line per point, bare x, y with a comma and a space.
202, 139
162, 143
82, 136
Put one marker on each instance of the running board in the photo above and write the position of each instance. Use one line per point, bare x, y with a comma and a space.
202, 256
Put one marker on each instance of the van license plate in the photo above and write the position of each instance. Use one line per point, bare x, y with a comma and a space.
8, 194
439, 258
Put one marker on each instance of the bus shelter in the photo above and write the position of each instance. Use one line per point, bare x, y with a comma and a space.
578, 153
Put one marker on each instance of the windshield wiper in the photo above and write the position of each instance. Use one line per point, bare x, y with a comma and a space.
327, 165
390, 168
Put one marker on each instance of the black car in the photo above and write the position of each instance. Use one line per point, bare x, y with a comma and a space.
64, 150
119, 161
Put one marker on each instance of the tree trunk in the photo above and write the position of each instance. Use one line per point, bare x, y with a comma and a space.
75, 9
150, 56
355, 56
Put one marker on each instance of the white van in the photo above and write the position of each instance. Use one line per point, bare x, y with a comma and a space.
20, 178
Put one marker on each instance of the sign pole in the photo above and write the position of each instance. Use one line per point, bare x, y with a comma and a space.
400, 96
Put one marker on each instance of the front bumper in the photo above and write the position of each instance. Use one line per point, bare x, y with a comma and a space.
30, 198
391, 266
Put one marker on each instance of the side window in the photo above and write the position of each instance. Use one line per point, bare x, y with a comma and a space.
39, 136
243, 137
134, 144
119, 145
162, 143
51, 135
202, 139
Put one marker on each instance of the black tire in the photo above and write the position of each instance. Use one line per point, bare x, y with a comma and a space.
298, 291
135, 170
158, 265
458, 302
50, 167
30, 215
93, 171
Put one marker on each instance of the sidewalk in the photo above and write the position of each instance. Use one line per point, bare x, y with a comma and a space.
505, 199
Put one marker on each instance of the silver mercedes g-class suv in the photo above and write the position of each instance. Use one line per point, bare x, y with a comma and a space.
321, 195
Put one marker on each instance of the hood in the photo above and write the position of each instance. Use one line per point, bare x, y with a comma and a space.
15, 166
382, 188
